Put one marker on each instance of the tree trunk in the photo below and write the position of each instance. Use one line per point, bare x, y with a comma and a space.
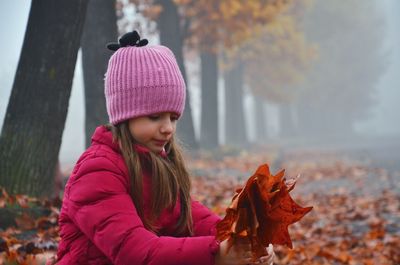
209, 100
260, 120
100, 28
37, 109
171, 36
235, 126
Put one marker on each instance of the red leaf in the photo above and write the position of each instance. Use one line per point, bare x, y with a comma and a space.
261, 212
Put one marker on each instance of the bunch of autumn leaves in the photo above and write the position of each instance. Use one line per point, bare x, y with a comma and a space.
261, 212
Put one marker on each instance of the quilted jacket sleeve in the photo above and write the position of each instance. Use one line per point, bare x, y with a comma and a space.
204, 221
99, 204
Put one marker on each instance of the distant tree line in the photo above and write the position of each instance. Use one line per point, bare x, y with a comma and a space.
275, 50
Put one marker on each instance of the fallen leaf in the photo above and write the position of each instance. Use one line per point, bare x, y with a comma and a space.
261, 212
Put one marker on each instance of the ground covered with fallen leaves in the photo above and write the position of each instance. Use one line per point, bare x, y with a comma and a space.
355, 219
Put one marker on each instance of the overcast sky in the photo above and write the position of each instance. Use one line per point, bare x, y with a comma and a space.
13, 19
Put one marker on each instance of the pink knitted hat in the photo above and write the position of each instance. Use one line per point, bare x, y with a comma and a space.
142, 80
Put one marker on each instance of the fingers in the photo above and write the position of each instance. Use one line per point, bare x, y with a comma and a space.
243, 247
265, 260
269, 259
247, 261
245, 257
270, 249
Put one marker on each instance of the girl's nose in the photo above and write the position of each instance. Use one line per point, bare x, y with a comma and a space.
167, 126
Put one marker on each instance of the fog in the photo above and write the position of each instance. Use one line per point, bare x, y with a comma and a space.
382, 123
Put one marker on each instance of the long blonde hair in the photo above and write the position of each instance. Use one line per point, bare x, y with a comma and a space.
170, 179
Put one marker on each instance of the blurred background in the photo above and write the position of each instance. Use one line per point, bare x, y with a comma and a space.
313, 72
311, 86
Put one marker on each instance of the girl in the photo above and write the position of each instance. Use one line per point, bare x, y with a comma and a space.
127, 200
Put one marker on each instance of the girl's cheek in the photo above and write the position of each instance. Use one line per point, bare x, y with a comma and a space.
174, 125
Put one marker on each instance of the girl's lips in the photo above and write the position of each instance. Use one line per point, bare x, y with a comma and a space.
160, 143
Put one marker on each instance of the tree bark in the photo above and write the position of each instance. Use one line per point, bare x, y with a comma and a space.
209, 100
260, 120
37, 109
235, 126
100, 28
171, 36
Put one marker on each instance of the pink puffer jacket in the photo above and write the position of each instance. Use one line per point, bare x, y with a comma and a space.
99, 223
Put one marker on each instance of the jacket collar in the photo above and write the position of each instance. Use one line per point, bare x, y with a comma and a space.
103, 136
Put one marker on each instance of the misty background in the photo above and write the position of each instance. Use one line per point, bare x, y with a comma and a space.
382, 124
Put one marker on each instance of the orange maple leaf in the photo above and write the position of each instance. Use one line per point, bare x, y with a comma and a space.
261, 212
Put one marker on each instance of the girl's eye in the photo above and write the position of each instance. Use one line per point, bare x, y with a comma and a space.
154, 117
157, 117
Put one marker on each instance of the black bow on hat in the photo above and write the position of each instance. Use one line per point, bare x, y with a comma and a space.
128, 39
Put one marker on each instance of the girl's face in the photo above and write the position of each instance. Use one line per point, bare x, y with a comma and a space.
155, 130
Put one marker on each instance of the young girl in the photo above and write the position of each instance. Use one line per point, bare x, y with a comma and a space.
128, 200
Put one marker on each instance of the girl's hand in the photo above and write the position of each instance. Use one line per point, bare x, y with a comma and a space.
235, 256
269, 259
242, 255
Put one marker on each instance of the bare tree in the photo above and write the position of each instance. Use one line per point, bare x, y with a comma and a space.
100, 28
31, 136
235, 129
209, 100
171, 35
